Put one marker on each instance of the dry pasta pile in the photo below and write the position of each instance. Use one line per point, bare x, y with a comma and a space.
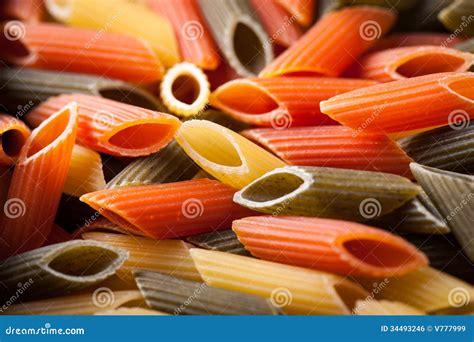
236, 157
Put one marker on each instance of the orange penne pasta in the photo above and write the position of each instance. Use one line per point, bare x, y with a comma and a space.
405, 105
333, 43
416, 39
282, 29
195, 42
29, 11
334, 146
169, 210
62, 48
5, 180
301, 10
405, 62
281, 102
37, 183
340, 247
111, 127
13, 135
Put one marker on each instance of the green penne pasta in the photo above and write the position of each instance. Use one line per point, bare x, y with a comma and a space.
59, 268
327, 192
458, 17
413, 217
169, 165
448, 148
444, 254
467, 46
239, 34
453, 195
24, 88
222, 119
185, 297
222, 240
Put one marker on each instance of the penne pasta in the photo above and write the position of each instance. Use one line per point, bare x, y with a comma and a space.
427, 290
61, 48
85, 172
194, 39
120, 16
293, 289
24, 88
58, 235
326, 51
223, 240
378, 107
444, 254
301, 10
415, 216
327, 192
467, 46
172, 295
169, 165
166, 256
334, 146
111, 127
100, 300
5, 180
341, 247
239, 35
13, 135
185, 89
448, 148
457, 17
451, 193
171, 210
281, 102
224, 154
101, 225
406, 62
385, 308
134, 311
37, 183
282, 29
406, 39
25, 11
60, 268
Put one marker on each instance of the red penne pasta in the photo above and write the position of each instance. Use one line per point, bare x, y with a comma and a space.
283, 101
171, 210
334, 146
333, 43
57, 235
406, 105
24, 10
37, 183
224, 73
405, 62
13, 135
196, 43
416, 39
112, 127
335, 246
301, 10
282, 29
5, 180
62, 48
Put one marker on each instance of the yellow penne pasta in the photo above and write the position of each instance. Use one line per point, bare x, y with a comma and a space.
98, 299
427, 289
135, 311
384, 307
293, 289
166, 256
85, 172
121, 16
224, 154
